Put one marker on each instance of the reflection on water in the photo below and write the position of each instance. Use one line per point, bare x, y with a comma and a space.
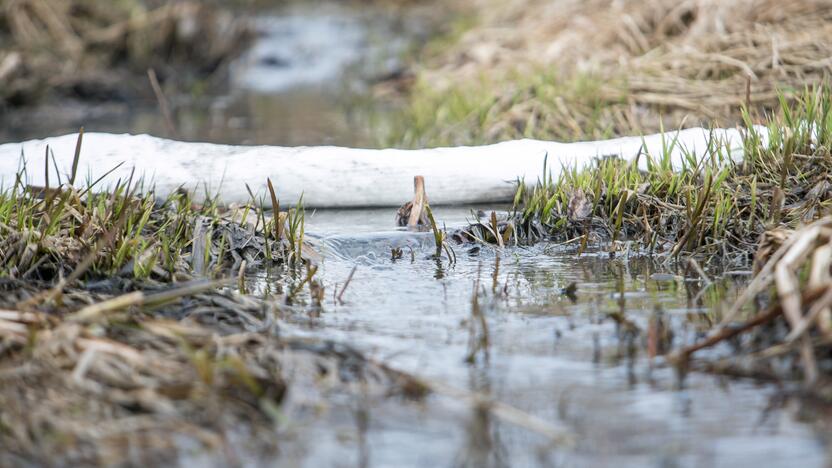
585, 364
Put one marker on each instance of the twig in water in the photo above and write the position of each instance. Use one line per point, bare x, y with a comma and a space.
419, 201
503, 411
347, 283
704, 276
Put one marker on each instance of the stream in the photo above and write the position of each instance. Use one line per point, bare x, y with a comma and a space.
564, 361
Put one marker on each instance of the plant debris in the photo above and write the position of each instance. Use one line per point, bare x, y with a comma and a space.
90, 50
123, 341
790, 335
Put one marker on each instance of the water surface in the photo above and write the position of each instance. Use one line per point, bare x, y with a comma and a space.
563, 361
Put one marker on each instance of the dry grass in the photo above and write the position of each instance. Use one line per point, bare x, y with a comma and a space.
90, 48
122, 340
573, 69
790, 334
134, 388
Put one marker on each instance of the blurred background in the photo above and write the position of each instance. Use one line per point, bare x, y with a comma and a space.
270, 72
404, 73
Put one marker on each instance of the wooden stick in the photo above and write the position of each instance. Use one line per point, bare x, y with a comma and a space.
346, 283
164, 107
419, 201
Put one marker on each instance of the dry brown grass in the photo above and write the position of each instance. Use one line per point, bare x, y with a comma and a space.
574, 69
793, 335
81, 45
112, 353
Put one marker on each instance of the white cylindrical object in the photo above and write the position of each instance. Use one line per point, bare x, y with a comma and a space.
330, 176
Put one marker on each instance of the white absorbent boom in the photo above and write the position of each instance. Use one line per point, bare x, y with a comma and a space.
330, 177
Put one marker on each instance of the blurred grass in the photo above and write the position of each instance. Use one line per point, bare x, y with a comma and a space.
542, 105
576, 70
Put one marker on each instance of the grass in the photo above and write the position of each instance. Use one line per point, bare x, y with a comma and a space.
713, 208
581, 70
119, 309
52, 234
771, 211
539, 104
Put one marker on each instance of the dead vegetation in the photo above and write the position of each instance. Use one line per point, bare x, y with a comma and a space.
97, 50
133, 388
781, 325
574, 69
123, 339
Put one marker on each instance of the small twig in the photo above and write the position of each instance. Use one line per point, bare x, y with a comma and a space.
241, 282
164, 108
693, 263
722, 334
420, 199
100, 308
347, 283
136, 298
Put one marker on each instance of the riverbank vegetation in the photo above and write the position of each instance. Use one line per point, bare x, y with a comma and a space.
573, 70
127, 336
769, 213
128, 331
715, 208
101, 51
579, 70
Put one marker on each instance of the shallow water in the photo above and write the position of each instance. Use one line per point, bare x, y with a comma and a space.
562, 361
565, 362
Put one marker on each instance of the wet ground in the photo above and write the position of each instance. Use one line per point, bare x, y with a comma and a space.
567, 362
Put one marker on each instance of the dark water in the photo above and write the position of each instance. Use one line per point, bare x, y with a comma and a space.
563, 361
